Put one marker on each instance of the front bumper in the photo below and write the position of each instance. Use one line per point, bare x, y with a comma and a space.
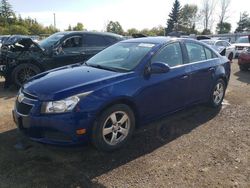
244, 59
59, 129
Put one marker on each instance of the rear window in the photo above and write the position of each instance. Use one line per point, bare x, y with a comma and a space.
243, 40
110, 40
195, 52
94, 41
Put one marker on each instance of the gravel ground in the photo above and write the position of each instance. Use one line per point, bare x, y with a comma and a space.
197, 147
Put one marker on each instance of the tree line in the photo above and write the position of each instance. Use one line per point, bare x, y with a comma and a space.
185, 19
181, 18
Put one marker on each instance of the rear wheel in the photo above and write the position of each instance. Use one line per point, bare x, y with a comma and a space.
23, 72
217, 94
114, 128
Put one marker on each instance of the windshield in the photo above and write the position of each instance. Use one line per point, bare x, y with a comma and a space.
242, 40
121, 56
51, 40
209, 42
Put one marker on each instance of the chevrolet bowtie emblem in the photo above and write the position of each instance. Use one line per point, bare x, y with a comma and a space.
20, 97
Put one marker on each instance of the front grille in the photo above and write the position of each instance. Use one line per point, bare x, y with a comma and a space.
29, 96
23, 108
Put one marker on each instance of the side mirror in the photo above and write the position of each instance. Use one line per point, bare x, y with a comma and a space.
159, 67
58, 50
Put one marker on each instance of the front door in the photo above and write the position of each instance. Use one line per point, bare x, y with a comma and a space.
70, 51
165, 92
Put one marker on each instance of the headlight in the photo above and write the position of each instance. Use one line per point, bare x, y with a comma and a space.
61, 106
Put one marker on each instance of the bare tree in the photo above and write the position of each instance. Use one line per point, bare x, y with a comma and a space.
223, 16
207, 10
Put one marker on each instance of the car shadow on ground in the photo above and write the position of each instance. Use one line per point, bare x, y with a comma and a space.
7, 93
243, 76
77, 166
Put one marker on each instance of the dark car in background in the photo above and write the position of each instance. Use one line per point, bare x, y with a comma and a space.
22, 58
127, 85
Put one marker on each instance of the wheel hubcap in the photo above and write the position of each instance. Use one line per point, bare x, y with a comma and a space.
218, 93
116, 128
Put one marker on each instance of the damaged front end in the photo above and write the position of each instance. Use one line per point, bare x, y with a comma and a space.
18, 49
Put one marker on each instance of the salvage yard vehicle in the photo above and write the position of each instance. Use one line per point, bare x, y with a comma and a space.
22, 58
240, 44
244, 59
221, 45
127, 85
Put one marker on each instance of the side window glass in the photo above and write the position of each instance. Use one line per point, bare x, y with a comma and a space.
219, 43
94, 41
171, 55
226, 44
195, 52
72, 42
208, 52
110, 40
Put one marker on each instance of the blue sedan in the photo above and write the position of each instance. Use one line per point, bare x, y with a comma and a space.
129, 84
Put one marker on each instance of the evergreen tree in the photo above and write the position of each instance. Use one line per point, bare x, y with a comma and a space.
174, 15
244, 23
6, 9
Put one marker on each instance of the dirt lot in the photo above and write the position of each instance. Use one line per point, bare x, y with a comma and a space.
198, 147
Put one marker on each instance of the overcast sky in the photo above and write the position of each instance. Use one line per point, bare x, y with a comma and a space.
95, 14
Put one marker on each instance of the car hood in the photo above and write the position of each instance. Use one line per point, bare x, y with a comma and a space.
21, 44
72, 80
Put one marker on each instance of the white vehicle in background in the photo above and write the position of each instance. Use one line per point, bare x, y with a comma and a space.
240, 44
220, 45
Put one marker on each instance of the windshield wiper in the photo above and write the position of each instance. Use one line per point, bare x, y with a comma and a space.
104, 67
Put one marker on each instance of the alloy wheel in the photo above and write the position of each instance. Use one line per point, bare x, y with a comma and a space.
116, 128
218, 93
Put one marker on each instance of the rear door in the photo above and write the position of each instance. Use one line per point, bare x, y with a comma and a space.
202, 61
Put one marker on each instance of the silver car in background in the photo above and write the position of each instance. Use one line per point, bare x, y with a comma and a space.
220, 45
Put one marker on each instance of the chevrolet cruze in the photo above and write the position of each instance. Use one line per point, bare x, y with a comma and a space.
121, 88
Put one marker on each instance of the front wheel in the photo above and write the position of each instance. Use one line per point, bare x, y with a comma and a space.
217, 94
23, 72
114, 128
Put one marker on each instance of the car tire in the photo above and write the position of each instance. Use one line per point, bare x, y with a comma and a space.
113, 128
23, 72
230, 57
243, 68
217, 93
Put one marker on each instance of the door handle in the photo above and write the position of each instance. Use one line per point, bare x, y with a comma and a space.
184, 77
211, 69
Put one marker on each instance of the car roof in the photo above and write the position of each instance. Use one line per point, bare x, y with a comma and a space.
214, 40
91, 32
154, 40
158, 39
